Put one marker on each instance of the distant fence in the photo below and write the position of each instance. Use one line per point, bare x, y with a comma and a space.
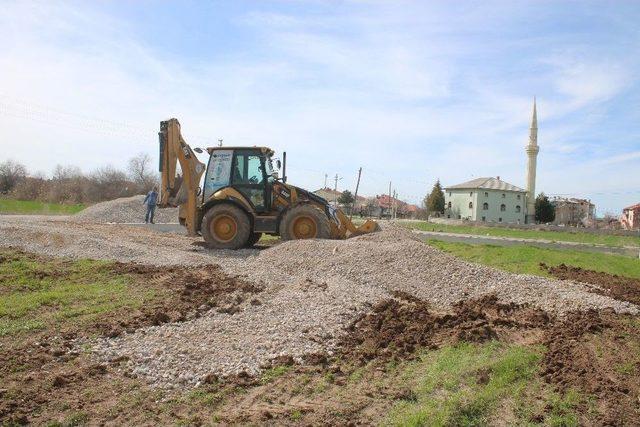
542, 227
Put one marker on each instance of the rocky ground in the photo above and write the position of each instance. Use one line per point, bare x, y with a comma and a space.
294, 300
311, 290
124, 210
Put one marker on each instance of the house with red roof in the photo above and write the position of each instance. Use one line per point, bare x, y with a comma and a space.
630, 218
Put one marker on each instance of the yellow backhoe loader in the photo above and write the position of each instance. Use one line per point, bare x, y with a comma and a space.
242, 196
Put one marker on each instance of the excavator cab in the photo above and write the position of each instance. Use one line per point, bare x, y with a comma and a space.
242, 196
248, 170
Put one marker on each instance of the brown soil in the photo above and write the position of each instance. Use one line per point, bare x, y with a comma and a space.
46, 378
618, 287
597, 354
46, 371
192, 292
396, 328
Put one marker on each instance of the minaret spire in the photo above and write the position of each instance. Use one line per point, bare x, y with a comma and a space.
532, 150
534, 119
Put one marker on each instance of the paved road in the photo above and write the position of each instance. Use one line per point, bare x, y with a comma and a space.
540, 243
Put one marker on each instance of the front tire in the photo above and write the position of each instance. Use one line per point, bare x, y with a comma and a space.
305, 222
226, 226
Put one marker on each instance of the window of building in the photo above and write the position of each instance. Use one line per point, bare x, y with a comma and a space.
485, 206
486, 194
459, 216
504, 195
471, 194
470, 205
518, 208
499, 219
503, 207
518, 197
484, 218
449, 193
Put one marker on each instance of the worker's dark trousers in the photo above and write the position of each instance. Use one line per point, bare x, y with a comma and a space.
150, 211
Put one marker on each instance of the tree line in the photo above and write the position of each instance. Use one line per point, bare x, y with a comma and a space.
68, 184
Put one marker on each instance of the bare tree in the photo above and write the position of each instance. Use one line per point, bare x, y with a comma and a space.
33, 187
141, 172
10, 174
63, 173
109, 183
68, 185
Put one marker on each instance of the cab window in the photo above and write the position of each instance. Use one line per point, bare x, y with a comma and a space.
247, 169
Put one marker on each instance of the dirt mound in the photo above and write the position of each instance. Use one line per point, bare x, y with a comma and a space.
396, 328
618, 287
193, 293
595, 353
124, 210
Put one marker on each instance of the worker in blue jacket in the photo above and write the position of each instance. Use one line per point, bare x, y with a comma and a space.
150, 201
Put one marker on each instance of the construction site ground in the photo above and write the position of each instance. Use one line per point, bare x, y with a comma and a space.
120, 324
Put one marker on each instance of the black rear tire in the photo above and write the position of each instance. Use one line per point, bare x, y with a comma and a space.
305, 222
226, 226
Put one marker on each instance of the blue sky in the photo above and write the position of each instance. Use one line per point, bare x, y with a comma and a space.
409, 91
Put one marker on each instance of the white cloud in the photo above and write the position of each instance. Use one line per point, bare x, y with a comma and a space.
409, 92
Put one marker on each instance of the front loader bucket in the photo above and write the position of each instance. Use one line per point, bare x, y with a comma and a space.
369, 226
345, 228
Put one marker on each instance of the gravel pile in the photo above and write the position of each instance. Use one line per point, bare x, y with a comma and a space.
125, 210
312, 290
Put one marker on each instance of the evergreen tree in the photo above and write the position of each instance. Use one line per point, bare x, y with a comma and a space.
346, 198
545, 211
434, 202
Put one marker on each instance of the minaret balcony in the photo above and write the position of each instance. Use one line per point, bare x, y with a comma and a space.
532, 149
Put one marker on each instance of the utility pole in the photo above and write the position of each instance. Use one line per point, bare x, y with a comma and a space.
335, 190
325, 180
355, 196
220, 142
389, 199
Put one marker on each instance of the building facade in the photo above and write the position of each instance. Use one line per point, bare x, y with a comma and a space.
493, 200
573, 212
332, 197
486, 200
630, 218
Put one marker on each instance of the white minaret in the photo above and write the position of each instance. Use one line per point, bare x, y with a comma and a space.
532, 154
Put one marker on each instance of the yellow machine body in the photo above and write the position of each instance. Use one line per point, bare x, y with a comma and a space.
241, 197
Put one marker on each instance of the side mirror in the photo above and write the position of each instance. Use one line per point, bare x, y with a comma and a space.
198, 150
278, 163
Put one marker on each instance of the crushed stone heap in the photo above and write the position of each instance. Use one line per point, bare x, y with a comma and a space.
124, 210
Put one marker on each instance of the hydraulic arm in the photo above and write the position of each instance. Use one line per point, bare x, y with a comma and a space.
179, 190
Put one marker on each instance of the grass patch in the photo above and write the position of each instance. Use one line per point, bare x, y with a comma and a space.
556, 236
273, 373
477, 384
526, 259
30, 207
35, 293
268, 238
463, 384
